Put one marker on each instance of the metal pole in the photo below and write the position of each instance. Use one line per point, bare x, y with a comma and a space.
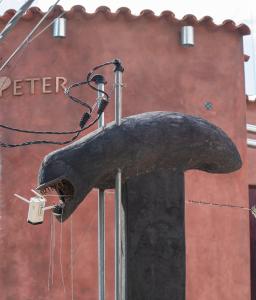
120, 256
27, 38
118, 97
11, 23
100, 81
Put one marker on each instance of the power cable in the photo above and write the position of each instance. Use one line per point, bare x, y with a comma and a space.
27, 38
32, 39
85, 118
14, 20
218, 204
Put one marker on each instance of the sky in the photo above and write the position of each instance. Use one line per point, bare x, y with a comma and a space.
219, 9
242, 11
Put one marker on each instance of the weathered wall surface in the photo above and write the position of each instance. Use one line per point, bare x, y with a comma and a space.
159, 75
251, 119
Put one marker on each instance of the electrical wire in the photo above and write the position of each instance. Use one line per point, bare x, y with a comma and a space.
252, 210
218, 204
88, 81
25, 42
72, 98
5, 145
14, 20
27, 38
29, 42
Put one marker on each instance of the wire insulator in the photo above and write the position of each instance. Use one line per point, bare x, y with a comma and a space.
85, 118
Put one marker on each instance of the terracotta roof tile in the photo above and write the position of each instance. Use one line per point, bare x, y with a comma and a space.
170, 16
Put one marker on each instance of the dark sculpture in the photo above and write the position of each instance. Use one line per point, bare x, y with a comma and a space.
153, 150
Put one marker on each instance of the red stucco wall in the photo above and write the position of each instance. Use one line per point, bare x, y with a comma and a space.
251, 119
159, 75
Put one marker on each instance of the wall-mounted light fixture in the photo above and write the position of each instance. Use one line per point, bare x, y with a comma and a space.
251, 98
59, 28
187, 36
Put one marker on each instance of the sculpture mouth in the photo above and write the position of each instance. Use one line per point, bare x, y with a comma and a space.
64, 190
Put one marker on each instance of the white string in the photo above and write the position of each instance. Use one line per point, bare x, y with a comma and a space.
71, 259
53, 248
85, 235
50, 258
53, 195
61, 267
217, 204
85, 232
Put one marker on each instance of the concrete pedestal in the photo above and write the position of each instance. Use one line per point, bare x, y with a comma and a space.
154, 209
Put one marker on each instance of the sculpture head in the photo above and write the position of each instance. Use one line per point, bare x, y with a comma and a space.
141, 144
58, 175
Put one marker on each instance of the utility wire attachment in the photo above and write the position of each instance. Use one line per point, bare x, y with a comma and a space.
14, 20
84, 119
252, 209
27, 38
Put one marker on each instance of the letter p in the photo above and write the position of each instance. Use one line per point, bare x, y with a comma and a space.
5, 82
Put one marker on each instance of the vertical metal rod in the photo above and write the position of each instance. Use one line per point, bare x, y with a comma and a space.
27, 38
118, 97
119, 220
101, 122
101, 212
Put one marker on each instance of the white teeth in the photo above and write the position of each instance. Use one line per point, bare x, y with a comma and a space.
48, 189
59, 188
